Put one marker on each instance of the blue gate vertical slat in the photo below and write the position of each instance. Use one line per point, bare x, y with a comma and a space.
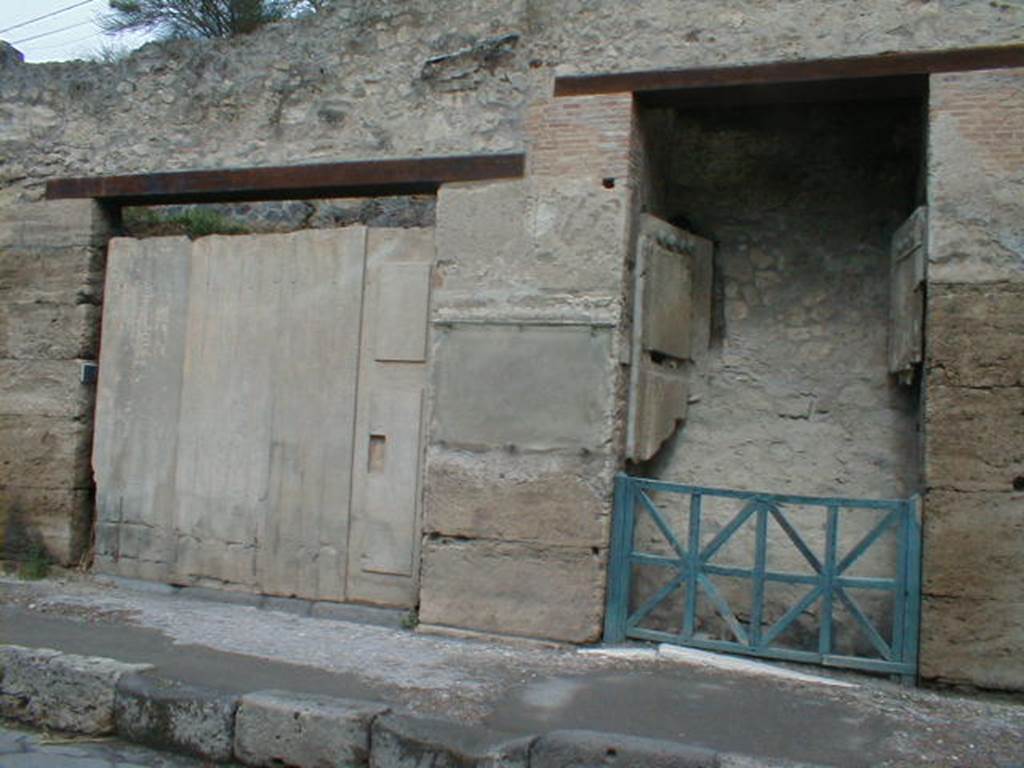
760, 565
828, 575
692, 566
899, 595
618, 562
911, 623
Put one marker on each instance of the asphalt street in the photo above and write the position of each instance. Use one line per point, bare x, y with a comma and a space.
29, 749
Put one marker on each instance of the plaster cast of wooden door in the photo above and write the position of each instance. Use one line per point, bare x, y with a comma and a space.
671, 331
908, 264
240, 380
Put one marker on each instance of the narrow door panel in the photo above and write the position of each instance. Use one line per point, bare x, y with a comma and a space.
392, 480
400, 322
384, 541
137, 402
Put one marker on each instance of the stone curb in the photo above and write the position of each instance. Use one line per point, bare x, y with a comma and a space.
400, 741
93, 695
51, 689
181, 718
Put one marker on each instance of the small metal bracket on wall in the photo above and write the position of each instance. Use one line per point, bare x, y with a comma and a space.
89, 372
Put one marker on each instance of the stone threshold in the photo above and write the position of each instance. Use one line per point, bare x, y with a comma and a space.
358, 613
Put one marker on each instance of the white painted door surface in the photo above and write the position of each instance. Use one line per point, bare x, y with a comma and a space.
235, 409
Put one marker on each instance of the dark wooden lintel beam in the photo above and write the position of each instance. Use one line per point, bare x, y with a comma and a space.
364, 178
880, 65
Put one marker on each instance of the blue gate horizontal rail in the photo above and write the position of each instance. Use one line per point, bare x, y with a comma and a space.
828, 582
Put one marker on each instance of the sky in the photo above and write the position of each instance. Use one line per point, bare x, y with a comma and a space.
72, 34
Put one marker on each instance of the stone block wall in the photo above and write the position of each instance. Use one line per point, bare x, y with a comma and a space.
51, 282
526, 419
973, 608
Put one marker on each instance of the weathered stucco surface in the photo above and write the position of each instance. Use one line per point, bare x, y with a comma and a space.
802, 203
516, 539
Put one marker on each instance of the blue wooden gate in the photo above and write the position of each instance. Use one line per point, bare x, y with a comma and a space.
683, 556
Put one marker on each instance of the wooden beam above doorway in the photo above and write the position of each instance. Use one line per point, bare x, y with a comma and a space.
878, 65
361, 178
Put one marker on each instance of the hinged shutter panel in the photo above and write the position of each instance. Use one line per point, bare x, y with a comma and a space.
671, 329
907, 276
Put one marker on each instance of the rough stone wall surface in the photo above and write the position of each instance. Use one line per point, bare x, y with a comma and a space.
282, 215
973, 611
366, 80
801, 202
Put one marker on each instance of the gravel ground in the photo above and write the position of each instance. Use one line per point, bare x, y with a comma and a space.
427, 672
465, 679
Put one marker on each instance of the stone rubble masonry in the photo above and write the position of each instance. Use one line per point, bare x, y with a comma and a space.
47, 688
972, 607
352, 84
51, 275
264, 729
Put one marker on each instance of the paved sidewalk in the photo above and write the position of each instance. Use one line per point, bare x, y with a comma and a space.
519, 688
20, 748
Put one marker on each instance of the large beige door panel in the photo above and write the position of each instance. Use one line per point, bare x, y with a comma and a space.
261, 412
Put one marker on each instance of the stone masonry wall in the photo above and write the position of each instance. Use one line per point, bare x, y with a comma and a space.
973, 609
51, 284
397, 79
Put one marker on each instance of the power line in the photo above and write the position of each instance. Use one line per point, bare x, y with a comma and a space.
52, 32
47, 15
62, 45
